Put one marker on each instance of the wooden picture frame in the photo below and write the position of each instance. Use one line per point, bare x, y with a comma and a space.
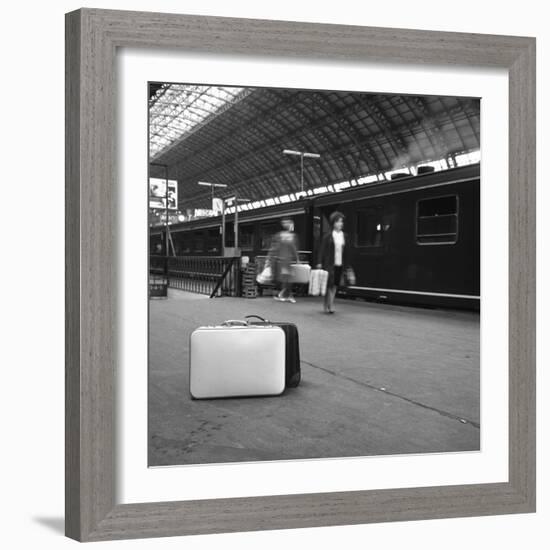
92, 39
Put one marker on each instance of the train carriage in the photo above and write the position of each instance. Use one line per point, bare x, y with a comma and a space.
203, 237
413, 240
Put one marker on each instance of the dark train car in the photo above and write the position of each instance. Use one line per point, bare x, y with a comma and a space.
256, 229
413, 240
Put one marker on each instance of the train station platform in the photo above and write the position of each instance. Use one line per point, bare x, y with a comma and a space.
377, 379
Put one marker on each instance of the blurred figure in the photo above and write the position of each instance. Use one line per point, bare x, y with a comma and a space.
283, 253
333, 258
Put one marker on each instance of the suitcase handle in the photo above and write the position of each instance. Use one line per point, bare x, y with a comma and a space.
255, 317
233, 322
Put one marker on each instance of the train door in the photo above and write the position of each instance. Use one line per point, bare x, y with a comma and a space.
368, 229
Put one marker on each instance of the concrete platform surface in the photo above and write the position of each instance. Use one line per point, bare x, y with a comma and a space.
376, 380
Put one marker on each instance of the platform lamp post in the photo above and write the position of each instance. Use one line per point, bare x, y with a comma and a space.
236, 200
212, 187
302, 155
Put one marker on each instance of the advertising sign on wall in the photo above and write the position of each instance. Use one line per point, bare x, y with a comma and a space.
157, 193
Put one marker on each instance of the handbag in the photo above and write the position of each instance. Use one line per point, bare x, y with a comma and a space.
349, 277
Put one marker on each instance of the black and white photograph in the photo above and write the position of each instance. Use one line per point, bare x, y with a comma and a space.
314, 274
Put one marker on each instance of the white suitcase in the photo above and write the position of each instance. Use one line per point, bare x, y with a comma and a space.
300, 273
236, 360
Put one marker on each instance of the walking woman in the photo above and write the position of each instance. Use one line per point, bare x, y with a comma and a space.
283, 253
334, 258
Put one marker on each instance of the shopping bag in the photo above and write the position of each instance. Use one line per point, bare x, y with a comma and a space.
265, 276
314, 288
318, 282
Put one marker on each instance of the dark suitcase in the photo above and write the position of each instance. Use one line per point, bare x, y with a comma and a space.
293, 373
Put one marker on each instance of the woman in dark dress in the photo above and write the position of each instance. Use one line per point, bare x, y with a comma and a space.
334, 258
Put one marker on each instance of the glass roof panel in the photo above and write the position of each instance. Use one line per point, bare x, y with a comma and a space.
176, 110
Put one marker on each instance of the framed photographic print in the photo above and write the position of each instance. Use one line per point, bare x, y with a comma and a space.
300, 275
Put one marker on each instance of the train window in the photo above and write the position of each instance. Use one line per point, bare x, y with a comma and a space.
246, 237
183, 242
214, 240
199, 242
368, 227
437, 220
230, 238
156, 246
266, 232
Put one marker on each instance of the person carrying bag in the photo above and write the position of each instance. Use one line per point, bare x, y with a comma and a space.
282, 255
334, 258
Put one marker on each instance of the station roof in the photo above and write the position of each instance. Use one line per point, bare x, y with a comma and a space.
236, 136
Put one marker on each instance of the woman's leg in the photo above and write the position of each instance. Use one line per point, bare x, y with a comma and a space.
332, 294
289, 295
285, 287
329, 298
